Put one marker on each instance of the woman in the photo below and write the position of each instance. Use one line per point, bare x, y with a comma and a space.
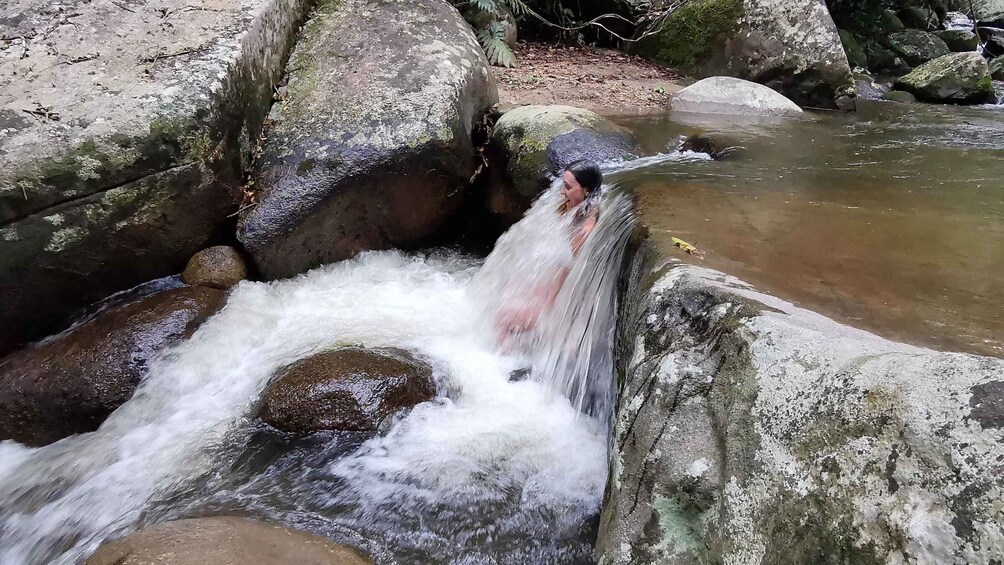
581, 182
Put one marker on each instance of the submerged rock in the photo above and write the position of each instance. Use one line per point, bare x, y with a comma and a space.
217, 267
732, 96
960, 77
900, 96
918, 47
750, 431
370, 146
790, 45
70, 383
223, 540
531, 145
959, 40
131, 159
345, 390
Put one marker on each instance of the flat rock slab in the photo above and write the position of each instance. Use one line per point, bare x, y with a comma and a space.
732, 96
123, 126
371, 145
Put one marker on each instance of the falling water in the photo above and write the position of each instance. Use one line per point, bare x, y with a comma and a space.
492, 471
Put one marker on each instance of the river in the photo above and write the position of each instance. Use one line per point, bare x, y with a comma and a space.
891, 220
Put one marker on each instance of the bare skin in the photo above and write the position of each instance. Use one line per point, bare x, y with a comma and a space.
524, 318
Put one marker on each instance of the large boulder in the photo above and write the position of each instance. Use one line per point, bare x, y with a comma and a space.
732, 96
993, 41
987, 11
997, 68
959, 40
370, 146
219, 267
70, 383
917, 47
345, 390
790, 45
223, 540
962, 78
749, 431
531, 145
123, 132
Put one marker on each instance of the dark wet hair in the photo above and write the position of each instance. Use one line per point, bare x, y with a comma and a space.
587, 174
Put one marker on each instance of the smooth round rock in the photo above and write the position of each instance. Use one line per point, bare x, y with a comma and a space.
959, 40
345, 390
70, 383
732, 96
223, 540
217, 267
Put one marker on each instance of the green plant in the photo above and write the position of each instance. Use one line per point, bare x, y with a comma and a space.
488, 18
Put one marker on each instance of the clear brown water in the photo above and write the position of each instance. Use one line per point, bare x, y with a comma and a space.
891, 220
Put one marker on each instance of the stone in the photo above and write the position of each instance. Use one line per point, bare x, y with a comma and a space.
135, 164
531, 145
885, 61
732, 96
997, 68
751, 431
990, 12
962, 78
790, 45
889, 22
917, 47
70, 383
900, 96
918, 17
384, 159
222, 540
219, 267
345, 390
959, 40
867, 88
993, 41
856, 55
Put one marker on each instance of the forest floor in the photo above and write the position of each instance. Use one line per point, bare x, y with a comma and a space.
603, 80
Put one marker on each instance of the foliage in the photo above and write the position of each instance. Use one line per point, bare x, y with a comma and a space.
690, 33
488, 18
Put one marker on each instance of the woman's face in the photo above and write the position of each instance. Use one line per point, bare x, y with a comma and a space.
571, 190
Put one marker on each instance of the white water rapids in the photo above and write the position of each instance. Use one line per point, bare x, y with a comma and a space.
491, 472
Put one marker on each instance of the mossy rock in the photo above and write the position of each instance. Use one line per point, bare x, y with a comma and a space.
531, 145
220, 267
962, 78
917, 47
384, 159
900, 96
692, 34
959, 40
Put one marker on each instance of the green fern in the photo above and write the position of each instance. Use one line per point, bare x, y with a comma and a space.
492, 40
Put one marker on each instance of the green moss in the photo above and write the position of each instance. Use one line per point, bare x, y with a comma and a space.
985, 84
691, 33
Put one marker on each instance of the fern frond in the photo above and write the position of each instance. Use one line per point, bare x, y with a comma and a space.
517, 7
492, 40
490, 6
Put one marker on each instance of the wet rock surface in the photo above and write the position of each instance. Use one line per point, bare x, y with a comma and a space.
917, 47
531, 145
217, 267
122, 135
959, 77
70, 383
959, 40
732, 96
382, 159
345, 390
751, 431
223, 540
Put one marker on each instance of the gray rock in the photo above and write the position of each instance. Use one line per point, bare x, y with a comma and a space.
345, 390
381, 160
989, 11
900, 96
959, 40
732, 96
917, 47
867, 88
70, 383
217, 267
750, 431
993, 41
997, 68
133, 166
531, 145
790, 45
223, 540
889, 22
960, 77
885, 61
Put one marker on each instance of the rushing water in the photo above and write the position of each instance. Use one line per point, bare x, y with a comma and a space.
891, 220
492, 471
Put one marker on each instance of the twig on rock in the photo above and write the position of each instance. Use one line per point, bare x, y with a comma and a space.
43, 112
81, 59
162, 55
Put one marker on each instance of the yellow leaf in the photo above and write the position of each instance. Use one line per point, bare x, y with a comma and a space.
690, 249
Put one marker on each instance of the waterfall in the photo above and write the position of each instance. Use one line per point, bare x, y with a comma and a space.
491, 471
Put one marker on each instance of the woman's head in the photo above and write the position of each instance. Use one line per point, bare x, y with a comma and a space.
580, 180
